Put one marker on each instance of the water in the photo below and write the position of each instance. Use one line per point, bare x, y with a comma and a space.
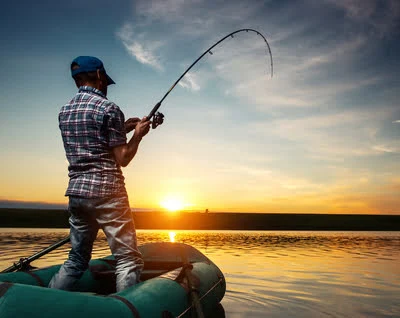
270, 273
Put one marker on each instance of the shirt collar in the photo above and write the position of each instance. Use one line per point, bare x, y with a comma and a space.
90, 89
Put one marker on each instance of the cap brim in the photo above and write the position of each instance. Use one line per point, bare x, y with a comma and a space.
109, 80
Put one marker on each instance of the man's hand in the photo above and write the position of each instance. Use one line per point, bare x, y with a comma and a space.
142, 127
131, 123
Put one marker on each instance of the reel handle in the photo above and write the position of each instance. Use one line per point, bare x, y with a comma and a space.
158, 119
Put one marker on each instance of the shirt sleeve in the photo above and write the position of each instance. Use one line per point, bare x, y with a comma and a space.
115, 126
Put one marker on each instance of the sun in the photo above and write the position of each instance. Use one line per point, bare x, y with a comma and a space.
172, 204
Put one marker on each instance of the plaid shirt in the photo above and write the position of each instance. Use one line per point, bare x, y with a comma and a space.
90, 127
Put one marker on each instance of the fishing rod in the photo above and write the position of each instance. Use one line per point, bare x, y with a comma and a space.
159, 117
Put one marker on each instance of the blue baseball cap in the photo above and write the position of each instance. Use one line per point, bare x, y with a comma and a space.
89, 64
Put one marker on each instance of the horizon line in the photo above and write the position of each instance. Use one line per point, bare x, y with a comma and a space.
16, 204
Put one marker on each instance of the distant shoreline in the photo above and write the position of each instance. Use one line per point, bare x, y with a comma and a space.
58, 218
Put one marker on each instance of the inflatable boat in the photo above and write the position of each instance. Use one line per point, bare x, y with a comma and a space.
177, 281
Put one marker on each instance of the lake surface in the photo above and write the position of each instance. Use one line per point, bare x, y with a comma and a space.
269, 273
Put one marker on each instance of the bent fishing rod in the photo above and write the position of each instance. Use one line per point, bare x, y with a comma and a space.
159, 117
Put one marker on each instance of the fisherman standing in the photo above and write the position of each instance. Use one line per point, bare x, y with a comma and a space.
94, 132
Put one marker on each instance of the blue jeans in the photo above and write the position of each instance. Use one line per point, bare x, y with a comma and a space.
113, 216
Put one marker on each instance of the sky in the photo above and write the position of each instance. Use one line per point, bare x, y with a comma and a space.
320, 136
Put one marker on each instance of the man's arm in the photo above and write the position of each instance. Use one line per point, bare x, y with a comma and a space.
125, 153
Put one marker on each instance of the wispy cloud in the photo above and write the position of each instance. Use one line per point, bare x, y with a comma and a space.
358, 9
181, 27
387, 148
333, 136
381, 16
189, 81
332, 54
143, 51
160, 10
196, 17
256, 181
294, 83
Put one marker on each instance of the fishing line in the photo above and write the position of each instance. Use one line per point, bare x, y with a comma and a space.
158, 117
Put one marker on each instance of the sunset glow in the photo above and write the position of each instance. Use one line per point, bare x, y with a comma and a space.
172, 204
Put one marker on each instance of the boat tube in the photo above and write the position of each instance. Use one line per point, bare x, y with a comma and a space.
177, 281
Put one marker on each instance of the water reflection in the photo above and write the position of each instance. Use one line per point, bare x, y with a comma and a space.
279, 274
172, 236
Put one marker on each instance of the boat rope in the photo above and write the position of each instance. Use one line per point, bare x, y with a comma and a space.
202, 297
157, 106
193, 291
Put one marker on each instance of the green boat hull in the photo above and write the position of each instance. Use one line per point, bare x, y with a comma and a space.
163, 292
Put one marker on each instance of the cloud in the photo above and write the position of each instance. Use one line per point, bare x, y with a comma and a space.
195, 17
265, 182
381, 16
396, 122
189, 81
159, 10
332, 54
295, 84
358, 9
386, 148
328, 137
143, 51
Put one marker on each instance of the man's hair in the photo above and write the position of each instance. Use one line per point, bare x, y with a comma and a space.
83, 78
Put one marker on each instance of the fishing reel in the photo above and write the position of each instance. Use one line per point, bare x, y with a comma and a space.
158, 119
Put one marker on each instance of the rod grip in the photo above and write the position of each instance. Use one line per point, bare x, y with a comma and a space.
154, 110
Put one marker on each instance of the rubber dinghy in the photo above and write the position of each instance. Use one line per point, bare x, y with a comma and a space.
177, 280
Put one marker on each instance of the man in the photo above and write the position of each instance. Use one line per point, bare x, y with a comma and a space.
94, 131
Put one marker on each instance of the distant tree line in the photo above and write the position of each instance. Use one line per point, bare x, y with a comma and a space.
35, 218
